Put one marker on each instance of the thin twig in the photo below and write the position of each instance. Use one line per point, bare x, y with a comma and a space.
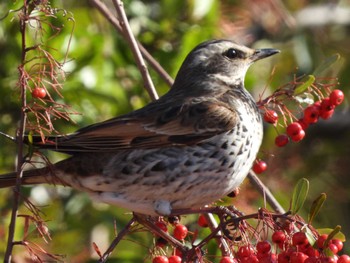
265, 192
144, 220
147, 81
19, 138
213, 225
117, 239
149, 58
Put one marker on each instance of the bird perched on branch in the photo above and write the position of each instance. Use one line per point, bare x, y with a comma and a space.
188, 149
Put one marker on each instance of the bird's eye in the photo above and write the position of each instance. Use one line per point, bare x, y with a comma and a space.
231, 53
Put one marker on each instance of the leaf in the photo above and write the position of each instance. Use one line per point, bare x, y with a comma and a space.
316, 207
30, 144
299, 195
332, 235
328, 252
302, 87
30, 137
310, 236
334, 232
326, 64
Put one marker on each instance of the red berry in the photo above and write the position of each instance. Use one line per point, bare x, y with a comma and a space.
311, 252
311, 260
295, 131
336, 97
332, 259
326, 114
263, 247
267, 258
180, 231
39, 93
227, 260
333, 248
299, 239
161, 242
326, 105
320, 241
245, 251
283, 257
298, 137
311, 114
202, 221
281, 140
271, 116
160, 259
294, 128
162, 226
178, 252
250, 259
303, 124
338, 243
344, 259
278, 237
298, 257
259, 166
175, 259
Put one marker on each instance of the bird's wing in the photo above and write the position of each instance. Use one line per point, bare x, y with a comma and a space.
153, 126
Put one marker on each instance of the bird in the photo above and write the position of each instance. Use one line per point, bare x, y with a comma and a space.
186, 150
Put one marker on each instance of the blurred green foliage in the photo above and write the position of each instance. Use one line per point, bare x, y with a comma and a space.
103, 81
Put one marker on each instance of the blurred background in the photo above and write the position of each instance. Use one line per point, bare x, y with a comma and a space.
103, 81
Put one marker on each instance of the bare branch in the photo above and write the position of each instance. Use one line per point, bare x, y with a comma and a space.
114, 21
147, 81
265, 192
19, 138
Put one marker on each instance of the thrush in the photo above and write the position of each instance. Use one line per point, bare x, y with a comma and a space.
188, 149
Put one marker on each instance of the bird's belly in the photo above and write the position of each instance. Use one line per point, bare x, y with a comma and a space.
186, 177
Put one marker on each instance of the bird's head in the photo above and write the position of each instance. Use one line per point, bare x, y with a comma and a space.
219, 59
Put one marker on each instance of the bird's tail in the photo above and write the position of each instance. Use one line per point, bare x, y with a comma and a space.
30, 177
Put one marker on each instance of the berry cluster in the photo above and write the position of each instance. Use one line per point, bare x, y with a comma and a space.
297, 249
293, 248
180, 232
290, 242
164, 259
296, 130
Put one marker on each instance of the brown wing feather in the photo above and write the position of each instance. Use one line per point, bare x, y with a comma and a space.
182, 124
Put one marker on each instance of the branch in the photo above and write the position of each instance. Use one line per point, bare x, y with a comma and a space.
147, 81
265, 192
116, 241
19, 138
114, 21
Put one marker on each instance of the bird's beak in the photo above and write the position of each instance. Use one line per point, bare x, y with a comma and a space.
263, 53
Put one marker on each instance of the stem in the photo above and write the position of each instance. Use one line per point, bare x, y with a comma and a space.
19, 138
265, 192
213, 225
116, 241
149, 58
147, 81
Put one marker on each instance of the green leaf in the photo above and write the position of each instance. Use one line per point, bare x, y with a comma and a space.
326, 64
333, 233
310, 236
30, 137
316, 207
30, 144
328, 252
302, 87
299, 195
